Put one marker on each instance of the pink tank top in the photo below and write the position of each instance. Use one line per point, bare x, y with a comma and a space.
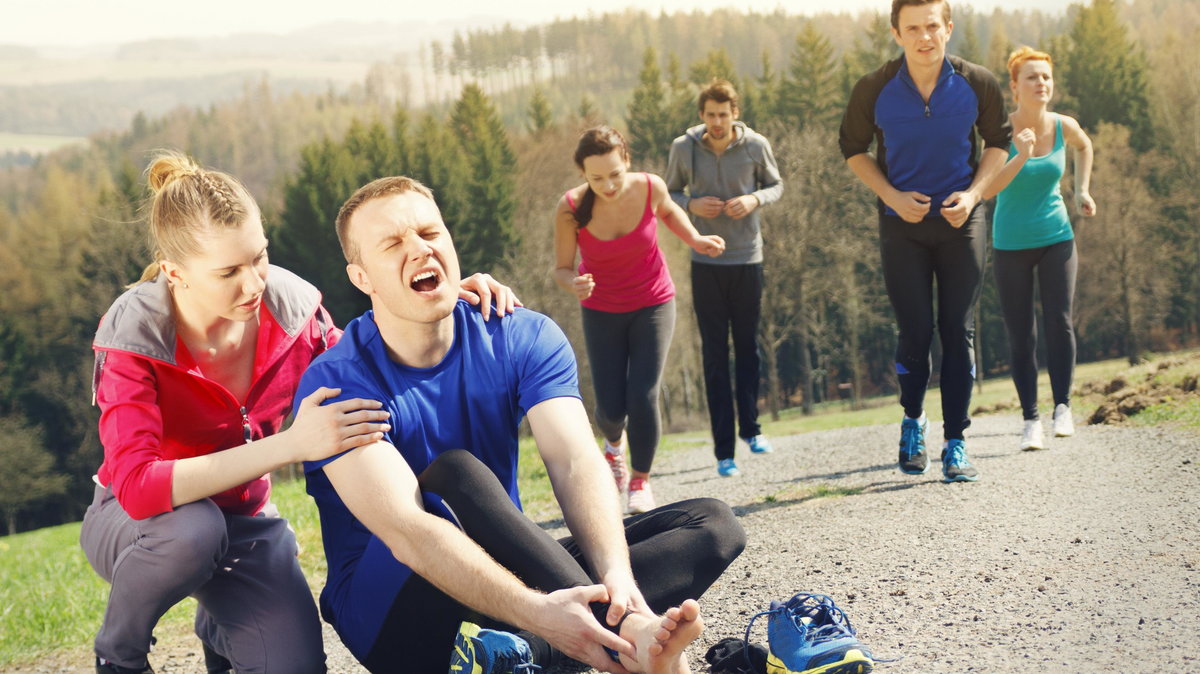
630, 271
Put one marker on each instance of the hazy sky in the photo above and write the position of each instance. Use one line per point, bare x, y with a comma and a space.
86, 22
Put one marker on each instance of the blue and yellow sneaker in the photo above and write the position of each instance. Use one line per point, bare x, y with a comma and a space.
809, 634
480, 651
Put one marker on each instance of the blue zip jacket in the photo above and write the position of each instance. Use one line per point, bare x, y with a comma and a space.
931, 148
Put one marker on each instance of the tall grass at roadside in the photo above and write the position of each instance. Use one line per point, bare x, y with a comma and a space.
51, 601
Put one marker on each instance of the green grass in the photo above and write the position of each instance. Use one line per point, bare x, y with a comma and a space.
51, 601
34, 143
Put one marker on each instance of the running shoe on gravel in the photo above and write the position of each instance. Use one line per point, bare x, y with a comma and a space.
481, 651
914, 460
759, 444
641, 498
728, 468
1064, 425
809, 634
955, 466
1031, 438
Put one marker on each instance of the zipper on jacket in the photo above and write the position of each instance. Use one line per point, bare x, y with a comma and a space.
245, 425
926, 108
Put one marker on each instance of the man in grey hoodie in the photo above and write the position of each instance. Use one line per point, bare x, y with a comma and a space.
721, 172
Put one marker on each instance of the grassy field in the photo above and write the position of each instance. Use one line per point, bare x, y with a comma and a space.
33, 143
52, 602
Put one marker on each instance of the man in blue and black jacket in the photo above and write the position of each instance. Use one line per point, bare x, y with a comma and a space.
926, 112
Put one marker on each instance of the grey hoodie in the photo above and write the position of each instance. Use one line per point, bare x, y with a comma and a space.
746, 167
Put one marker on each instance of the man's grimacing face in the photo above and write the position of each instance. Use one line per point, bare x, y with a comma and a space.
407, 262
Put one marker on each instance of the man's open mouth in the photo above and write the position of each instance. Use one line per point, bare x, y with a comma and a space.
425, 281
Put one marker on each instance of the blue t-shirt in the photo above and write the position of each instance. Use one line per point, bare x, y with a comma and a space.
474, 399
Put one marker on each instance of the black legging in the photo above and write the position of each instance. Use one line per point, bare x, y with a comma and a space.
676, 552
627, 352
1055, 267
914, 254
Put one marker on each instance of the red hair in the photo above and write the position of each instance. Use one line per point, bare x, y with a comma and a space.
1024, 55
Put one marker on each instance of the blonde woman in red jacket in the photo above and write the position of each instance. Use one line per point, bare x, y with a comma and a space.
196, 366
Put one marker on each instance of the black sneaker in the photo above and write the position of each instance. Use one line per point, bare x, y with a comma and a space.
955, 466
105, 667
914, 460
214, 662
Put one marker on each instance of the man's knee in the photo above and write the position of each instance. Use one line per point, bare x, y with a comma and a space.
456, 471
726, 537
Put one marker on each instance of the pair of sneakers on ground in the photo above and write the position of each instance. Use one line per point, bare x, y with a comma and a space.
758, 445
1063, 425
914, 460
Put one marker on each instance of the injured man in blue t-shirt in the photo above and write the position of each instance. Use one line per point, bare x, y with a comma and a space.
431, 563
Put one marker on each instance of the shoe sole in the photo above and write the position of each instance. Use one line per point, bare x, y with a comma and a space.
915, 472
960, 478
854, 663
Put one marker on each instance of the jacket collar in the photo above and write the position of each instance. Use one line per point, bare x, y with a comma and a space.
142, 319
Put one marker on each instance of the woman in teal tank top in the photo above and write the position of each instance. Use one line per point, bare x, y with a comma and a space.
1032, 237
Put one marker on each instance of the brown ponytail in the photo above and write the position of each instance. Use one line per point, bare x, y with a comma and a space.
598, 140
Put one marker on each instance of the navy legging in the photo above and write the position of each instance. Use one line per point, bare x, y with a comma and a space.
914, 256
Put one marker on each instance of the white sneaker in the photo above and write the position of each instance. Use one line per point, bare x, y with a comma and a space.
641, 499
1064, 425
1032, 437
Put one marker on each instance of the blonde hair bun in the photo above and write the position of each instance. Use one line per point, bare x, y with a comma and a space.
167, 167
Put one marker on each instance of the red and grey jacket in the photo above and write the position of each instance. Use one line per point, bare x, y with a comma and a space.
156, 406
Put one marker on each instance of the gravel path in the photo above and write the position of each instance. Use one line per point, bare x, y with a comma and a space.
1083, 557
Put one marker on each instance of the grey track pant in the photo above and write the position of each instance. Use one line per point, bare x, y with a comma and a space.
255, 607
627, 352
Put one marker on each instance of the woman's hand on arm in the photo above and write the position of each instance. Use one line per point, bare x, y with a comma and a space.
318, 432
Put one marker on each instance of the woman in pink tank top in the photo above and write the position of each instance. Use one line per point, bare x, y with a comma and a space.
626, 293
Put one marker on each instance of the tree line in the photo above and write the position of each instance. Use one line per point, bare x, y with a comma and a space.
498, 156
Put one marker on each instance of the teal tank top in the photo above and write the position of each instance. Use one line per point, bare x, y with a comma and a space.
1030, 212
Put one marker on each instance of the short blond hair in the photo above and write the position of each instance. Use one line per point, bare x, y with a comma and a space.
187, 201
375, 189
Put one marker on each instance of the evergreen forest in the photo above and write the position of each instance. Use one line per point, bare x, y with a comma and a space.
496, 143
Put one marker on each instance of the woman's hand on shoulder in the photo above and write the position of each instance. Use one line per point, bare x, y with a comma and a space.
481, 290
321, 431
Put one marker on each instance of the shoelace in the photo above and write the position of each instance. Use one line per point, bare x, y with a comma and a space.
828, 621
910, 437
956, 454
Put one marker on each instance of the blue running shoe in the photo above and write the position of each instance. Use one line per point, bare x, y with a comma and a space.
480, 651
913, 458
955, 466
759, 444
809, 634
727, 468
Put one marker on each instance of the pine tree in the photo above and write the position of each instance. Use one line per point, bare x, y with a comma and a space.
486, 232
32, 477
809, 92
540, 117
1106, 73
651, 129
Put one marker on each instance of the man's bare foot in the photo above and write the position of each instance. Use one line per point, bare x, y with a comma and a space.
661, 641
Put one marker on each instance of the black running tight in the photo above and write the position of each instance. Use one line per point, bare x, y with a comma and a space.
676, 551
